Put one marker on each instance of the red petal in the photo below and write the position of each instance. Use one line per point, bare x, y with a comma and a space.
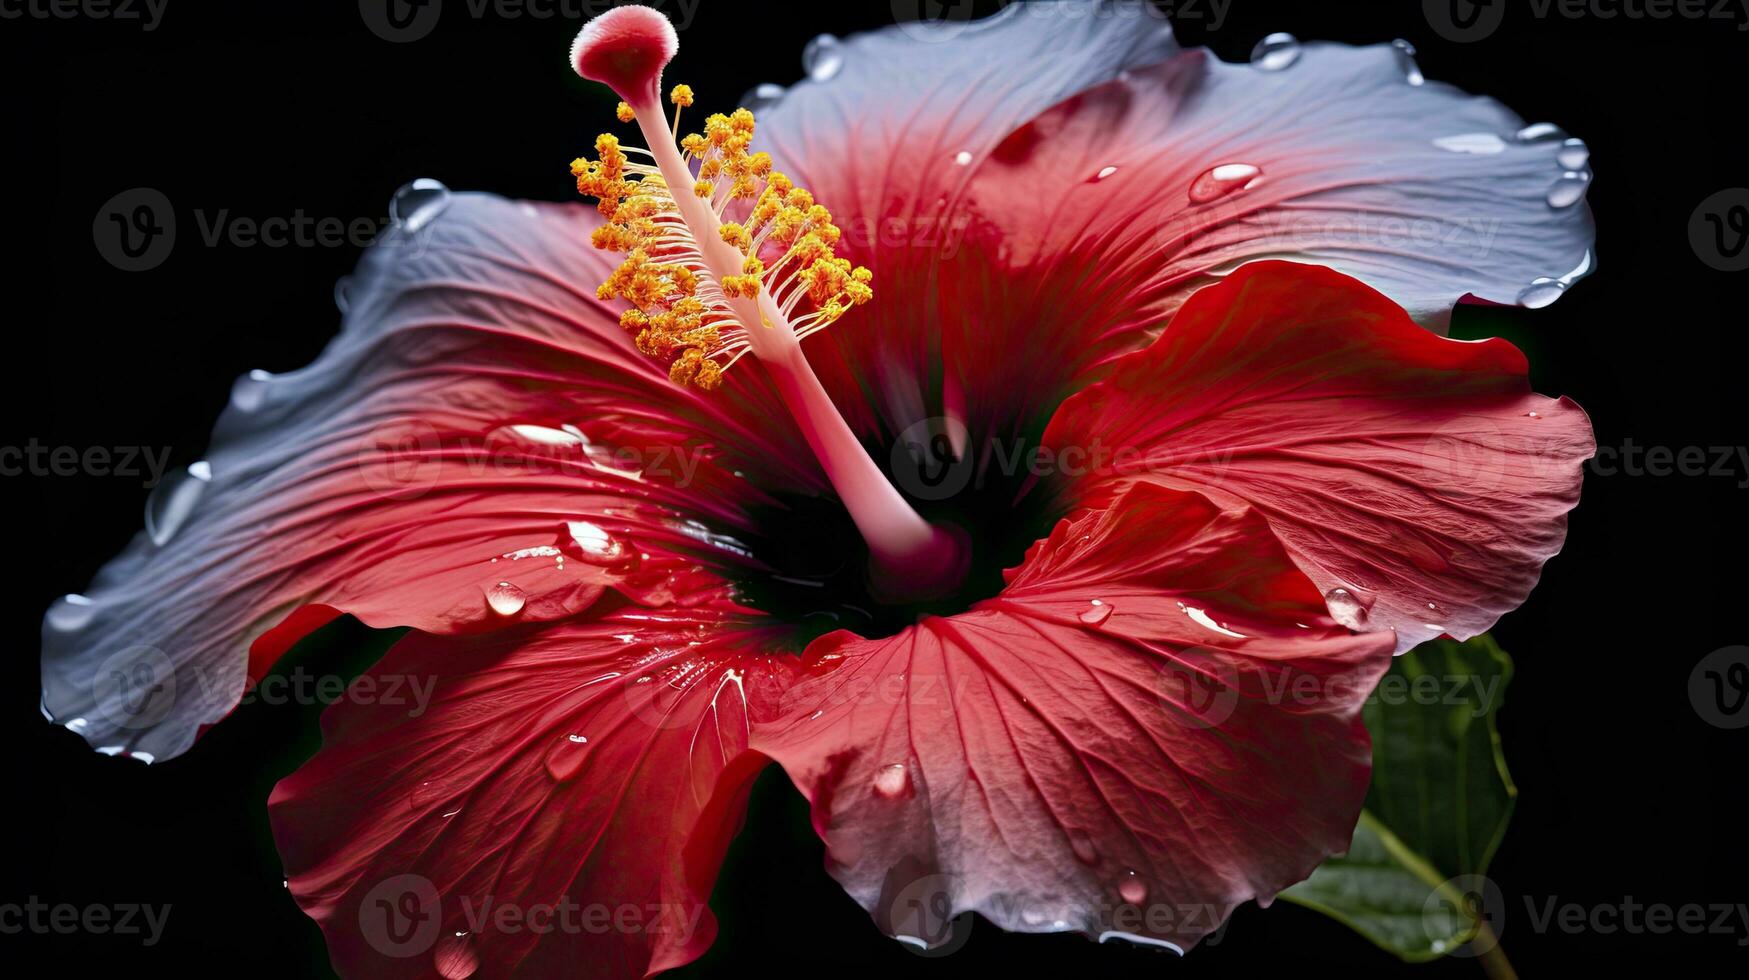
1102, 214
1131, 766
421, 461
885, 133
1420, 474
562, 803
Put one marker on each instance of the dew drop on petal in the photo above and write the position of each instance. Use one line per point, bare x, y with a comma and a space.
565, 757
1406, 62
892, 781
173, 500
418, 203
1103, 173
1541, 132
1217, 182
70, 614
963, 158
250, 391
1541, 293
506, 599
1573, 154
1097, 612
823, 57
1275, 52
761, 96
1528, 415
591, 543
1346, 608
454, 956
1480, 144
1569, 189
1133, 889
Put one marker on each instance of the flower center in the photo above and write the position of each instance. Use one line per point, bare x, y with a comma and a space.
725, 257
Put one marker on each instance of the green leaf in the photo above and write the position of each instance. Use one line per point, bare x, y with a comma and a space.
1437, 809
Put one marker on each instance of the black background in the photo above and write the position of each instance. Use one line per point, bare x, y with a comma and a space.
269, 110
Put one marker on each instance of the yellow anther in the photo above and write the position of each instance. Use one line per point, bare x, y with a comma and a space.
625, 113
736, 235
786, 242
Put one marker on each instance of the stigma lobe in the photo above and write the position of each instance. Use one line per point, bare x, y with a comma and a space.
626, 50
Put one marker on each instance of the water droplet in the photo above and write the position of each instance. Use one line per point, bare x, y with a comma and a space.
1573, 154
823, 57
173, 500
454, 956
1569, 189
565, 757
416, 204
591, 543
1540, 133
506, 599
1480, 144
1103, 173
343, 293
1082, 846
1275, 52
892, 781
762, 95
1346, 608
1528, 415
1133, 889
1217, 182
1203, 619
1096, 613
963, 158
1541, 293
70, 614
250, 390
1406, 64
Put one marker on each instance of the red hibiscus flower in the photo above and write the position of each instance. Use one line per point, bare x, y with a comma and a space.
1054, 575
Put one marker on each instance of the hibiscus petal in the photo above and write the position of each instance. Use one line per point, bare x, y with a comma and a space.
1419, 475
1104, 213
886, 129
562, 803
1154, 722
481, 419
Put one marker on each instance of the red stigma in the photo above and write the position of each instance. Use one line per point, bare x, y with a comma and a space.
626, 49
